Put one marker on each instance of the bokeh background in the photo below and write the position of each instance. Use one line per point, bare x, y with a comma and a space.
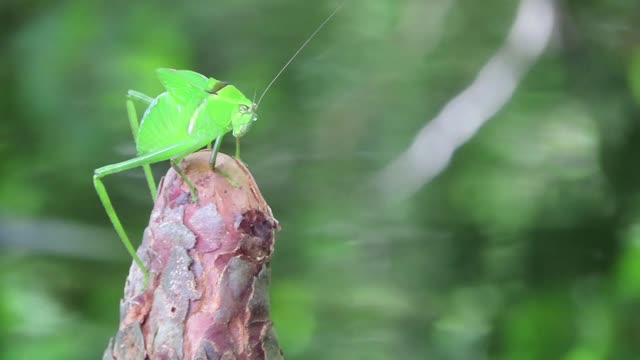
512, 233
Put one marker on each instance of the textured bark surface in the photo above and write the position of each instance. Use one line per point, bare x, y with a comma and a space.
207, 297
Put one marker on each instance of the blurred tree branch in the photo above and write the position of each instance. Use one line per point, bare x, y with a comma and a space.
462, 117
58, 237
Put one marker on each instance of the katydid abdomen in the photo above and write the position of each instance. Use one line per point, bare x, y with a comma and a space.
166, 123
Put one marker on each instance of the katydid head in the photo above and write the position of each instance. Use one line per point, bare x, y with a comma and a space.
244, 110
242, 120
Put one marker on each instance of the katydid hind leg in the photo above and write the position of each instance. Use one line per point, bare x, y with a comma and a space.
108, 206
186, 147
161, 155
133, 123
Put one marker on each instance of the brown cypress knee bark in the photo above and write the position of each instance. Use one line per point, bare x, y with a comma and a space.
207, 297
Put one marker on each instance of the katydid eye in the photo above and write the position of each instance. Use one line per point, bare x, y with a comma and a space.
244, 108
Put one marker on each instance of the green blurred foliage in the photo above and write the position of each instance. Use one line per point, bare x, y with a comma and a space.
526, 247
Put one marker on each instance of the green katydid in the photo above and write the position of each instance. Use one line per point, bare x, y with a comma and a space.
193, 112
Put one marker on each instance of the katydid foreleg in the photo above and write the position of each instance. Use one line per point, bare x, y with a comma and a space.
132, 94
214, 152
212, 161
176, 166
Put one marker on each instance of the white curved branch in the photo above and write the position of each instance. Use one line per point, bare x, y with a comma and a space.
460, 119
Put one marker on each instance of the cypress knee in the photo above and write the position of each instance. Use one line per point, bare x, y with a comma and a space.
207, 297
